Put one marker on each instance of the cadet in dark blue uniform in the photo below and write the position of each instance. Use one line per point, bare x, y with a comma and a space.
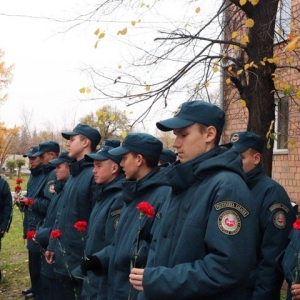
205, 247
37, 211
107, 194
5, 210
144, 183
50, 281
276, 217
76, 205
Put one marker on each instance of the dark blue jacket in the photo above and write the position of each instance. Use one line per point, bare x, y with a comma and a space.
33, 185
276, 217
76, 206
101, 229
38, 210
43, 232
5, 205
118, 259
205, 247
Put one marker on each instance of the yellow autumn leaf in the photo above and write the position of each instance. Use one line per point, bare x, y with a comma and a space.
206, 84
131, 112
249, 23
229, 68
96, 45
251, 63
147, 5
147, 88
254, 2
270, 60
289, 60
197, 87
122, 32
113, 117
97, 32
235, 47
133, 23
278, 31
298, 95
216, 63
142, 4
255, 66
102, 35
99, 114
104, 114
243, 103
197, 10
243, 2
100, 122
246, 66
224, 55
215, 69
245, 39
119, 67
123, 134
239, 72
262, 63
234, 34
88, 90
139, 20
82, 90
276, 59
187, 25
291, 46
291, 24
228, 80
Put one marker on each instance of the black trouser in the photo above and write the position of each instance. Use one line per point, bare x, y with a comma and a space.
35, 274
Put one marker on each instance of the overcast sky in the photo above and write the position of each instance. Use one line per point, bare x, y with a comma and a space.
47, 75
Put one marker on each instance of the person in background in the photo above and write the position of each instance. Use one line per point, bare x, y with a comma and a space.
37, 203
276, 217
76, 206
5, 210
107, 194
50, 281
167, 156
112, 143
205, 246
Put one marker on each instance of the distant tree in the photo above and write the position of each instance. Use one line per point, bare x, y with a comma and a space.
11, 165
5, 77
20, 162
111, 122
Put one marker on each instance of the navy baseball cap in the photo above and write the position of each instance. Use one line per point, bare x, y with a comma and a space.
244, 140
63, 157
103, 154
48, 146
141, 143
86, 130
112, 143
192, 112
31, 151
167, 155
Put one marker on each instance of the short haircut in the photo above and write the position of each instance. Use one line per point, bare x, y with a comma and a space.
92, 145
151, 162
202, 128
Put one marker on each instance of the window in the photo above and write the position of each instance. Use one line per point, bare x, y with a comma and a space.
283, 19
281, 125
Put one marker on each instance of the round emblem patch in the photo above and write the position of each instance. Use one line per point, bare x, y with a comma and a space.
51, 188
279, 219
229, 222
234, 137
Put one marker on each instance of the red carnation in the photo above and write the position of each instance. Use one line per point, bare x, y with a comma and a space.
30, 234
80, 225
29, 201
296, 224
55, 234
19, 180
18, 189
146, 208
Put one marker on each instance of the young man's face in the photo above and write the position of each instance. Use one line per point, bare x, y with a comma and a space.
45, 157
62, 171
34, 161
76, 146
104, 171
250, 160
190, 142
130, 166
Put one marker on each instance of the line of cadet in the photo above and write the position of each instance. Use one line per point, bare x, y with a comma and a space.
220, 226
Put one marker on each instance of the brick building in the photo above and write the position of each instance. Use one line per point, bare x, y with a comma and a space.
286, 158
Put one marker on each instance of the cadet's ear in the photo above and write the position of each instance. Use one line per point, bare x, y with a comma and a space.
257, 158
211, 133
139, 159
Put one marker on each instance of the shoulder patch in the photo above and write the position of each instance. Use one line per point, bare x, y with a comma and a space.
115, 212
279, 219
280, 206
229, 222
231, 204
51, 188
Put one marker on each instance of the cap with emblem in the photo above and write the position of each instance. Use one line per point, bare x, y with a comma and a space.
63, 157
86, 130
48, 146
193, 112
31, 151
112, 143
167, 155
141, 143
244, 140
103, 154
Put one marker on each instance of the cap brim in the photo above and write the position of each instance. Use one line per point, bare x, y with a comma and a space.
119, 151
37, 153
173, 123
95, 156
67, 135
240, 148
56, 161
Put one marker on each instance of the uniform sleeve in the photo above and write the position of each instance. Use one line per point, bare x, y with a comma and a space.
230, 235
6, 209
